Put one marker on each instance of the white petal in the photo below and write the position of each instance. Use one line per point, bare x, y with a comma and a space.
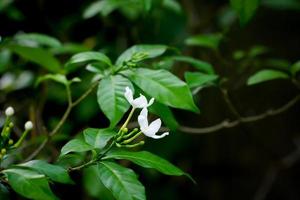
151, 102
140, 102
128, 95
144, 112
153, 128
143, 122
160, 136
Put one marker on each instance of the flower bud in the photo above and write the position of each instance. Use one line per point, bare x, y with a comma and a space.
11, 125
28, 126
9, 111
10, 141
3, 151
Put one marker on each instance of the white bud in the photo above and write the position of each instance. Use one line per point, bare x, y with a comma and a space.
9, 111
28, 126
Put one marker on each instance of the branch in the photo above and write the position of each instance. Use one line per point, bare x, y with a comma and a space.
229, 124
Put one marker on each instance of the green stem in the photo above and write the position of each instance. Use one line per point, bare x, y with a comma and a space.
19, 142
128, 118
132, 138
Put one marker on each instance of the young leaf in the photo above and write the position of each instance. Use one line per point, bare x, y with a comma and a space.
164, 87
29, 184
60, 78
37, 38
245, 9
98, 138
122, 181
54, 172
111, 98
198, 79
210, 41
75, 145
87, 57
198, 64
151, 51
38, 56
147, 160
266, 75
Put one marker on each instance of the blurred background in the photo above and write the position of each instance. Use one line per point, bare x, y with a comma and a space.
245, 144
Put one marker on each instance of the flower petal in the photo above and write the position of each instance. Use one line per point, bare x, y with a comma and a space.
128, 95
143, 122
153, 128
160, 136
144, 112
139, 102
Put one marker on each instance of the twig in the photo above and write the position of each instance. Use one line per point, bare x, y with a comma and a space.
229, 124
71, 105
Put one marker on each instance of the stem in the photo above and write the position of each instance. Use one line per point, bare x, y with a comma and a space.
128, 118
131, 139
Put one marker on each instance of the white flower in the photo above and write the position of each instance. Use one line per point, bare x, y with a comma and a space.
28, 126
9, 111
150, 130
140, 102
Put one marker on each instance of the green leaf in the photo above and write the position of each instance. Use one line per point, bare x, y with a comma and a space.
266, 75
198, 64
39, 39
121, 181
282, 4
87, 57
60, 78
198, 79
111, 98
69, 48
54, 172
210, 41
75, 145
151, 51
93, 185
295, 68
245, 9
165, 113
147, 160
164, 87
29, 184
105, 7
98, 138
38, 56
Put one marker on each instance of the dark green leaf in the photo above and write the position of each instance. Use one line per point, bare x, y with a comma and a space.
98, 138
211, 41
75, 145
245, 9
147, 160
29, 184
282, 4
198, 79
198, 64
60, 78
38, 56
295, 68
54, 172
164, 87
111, 97
151, 51
266, 75
39, 39
87, 57
121, 181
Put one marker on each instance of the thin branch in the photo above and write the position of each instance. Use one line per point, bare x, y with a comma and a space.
229, 124
71, 105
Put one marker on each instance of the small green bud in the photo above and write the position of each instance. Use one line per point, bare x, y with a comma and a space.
11, 125
3, 151
10, 141
125, 130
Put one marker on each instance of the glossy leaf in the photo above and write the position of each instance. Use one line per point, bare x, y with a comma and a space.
164, 87
266, 75
38, 56
39, 39
198, 64
87, 57
54, 172
59, 78
147, 160
198, 79
121, 181
245, 9
29, 184
111, 98
211, 41
151, 51
98, 138
75, 145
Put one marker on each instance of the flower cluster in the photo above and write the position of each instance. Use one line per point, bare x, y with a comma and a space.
6, 143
